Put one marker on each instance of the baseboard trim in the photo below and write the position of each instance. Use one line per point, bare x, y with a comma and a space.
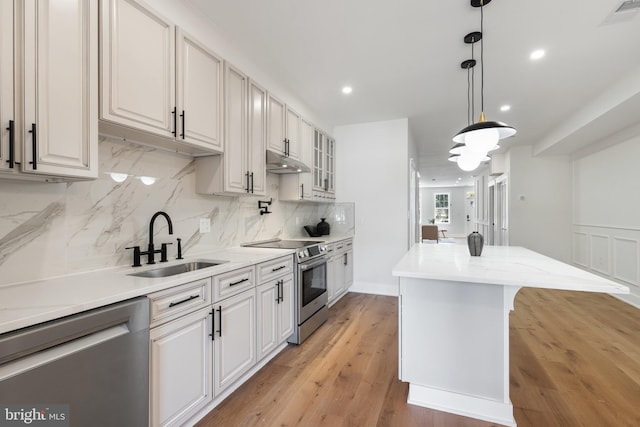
631, 299
462, 404
375, 288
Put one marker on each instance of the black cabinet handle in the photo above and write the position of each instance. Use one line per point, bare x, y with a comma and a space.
219, 321
251, 182
326, 184
278, 292
182, 116
281, 290
175, 121
286, 147
173, 304
278, 268
34, 147
239, 281
248, 185
345, 259
213, 326
12, 144
301, 191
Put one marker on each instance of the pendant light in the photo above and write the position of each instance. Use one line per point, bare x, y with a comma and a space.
483, 136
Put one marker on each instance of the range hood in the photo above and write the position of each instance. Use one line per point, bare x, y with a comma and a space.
279, 163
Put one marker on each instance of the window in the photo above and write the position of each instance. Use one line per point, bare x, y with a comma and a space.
441, 211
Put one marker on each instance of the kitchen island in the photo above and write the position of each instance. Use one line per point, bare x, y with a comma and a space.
454, 322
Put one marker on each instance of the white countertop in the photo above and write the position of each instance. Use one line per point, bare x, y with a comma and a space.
499, 265
27, 304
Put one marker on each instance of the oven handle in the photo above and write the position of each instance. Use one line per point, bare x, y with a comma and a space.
313, 264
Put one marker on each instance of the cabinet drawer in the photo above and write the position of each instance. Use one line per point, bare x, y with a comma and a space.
233, 282
278, 267
177, 301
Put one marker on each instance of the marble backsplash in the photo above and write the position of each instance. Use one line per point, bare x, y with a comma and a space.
55, 229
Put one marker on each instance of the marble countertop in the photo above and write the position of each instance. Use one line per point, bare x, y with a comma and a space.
499, 265
27, 304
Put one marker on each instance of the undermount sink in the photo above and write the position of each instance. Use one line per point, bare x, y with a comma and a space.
172, 270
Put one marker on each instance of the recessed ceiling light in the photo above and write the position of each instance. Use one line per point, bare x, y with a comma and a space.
505, 108
347, 90
537, 54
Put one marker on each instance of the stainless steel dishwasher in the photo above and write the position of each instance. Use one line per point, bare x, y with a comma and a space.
96, 363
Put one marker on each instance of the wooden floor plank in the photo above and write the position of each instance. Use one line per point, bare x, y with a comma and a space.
574, 361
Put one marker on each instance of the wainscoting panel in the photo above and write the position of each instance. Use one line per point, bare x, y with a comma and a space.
625, 259
599, 245
581, 249
612, 252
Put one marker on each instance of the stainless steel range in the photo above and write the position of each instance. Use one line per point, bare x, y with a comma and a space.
310, 283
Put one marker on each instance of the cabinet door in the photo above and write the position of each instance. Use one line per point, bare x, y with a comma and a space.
267, 337
318, 160
293, 134
7, 85
235, 338
276, 113
235, 154
348, 269
181, 362
138, 68
329, 175
331, 278
257, 134
306, 156
60, 88
199, 93
286, 309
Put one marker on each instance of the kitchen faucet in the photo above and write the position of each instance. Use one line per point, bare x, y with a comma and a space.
151, 250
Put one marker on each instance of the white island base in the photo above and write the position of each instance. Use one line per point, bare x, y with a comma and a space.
454, 347
454, 322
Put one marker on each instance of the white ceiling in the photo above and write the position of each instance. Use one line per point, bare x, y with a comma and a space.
402, 58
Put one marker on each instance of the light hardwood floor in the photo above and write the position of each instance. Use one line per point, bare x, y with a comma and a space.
575, 361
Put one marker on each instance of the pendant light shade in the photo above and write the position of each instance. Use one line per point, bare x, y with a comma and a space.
483, 136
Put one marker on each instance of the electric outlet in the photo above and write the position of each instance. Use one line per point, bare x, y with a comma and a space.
205, 225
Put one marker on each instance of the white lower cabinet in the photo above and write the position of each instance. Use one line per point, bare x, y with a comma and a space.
339, 269
234, 338
207, 335
181, 368
275, 314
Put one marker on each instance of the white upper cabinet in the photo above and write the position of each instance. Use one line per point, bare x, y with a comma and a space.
49, 117
293, 134
199, 92
138, 66
141, 96
283, 133
256, 138
235, 157
324, 158
241, 169
299, 186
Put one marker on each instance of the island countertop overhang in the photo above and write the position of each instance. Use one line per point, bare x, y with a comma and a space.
499, 265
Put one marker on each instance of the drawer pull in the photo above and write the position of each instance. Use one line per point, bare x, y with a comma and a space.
173, 304
278, 268
246, 279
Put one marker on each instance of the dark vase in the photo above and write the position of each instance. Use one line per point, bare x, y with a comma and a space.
323, 227
476, 243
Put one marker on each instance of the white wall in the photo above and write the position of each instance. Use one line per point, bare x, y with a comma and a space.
606, 214
372, 161
457, 213
540, 202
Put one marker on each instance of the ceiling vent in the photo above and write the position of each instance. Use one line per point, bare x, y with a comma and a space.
624, 11
628, 6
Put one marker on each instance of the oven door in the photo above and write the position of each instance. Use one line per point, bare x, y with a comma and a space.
312, 287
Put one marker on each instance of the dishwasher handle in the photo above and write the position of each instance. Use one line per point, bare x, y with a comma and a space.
35, 360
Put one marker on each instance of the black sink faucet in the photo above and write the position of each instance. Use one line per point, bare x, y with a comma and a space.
151, 250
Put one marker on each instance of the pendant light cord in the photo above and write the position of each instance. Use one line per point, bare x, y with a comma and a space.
482, 56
